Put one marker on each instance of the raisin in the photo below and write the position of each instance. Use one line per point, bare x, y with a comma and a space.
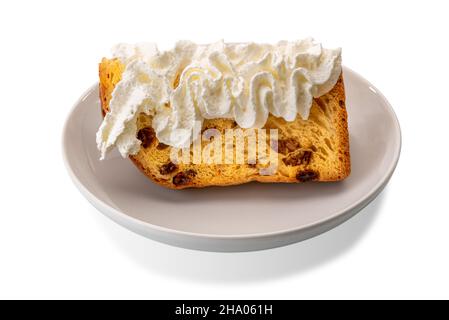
298, 159
168, 168
292, 160
183, 178
306, 156
306, 175
180, 179
146, 136
288, 145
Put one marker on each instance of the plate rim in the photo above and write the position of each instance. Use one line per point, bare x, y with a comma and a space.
342, 214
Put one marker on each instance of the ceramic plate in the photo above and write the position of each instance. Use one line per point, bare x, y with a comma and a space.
240, 218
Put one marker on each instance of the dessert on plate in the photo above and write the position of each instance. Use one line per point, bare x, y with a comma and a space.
226, 113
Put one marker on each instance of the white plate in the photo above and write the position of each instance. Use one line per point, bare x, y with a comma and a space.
240, 218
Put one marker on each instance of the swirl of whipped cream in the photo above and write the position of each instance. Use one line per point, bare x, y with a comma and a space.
245, 82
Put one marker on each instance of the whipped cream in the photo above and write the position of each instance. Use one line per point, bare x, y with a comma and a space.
190, 83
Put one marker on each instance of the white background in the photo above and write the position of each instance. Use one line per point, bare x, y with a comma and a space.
53, 244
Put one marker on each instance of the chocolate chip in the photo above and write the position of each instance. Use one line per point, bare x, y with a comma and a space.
341, 103
168, 168
146, 136
306, 175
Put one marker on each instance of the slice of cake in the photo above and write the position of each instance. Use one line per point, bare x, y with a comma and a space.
225, 114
